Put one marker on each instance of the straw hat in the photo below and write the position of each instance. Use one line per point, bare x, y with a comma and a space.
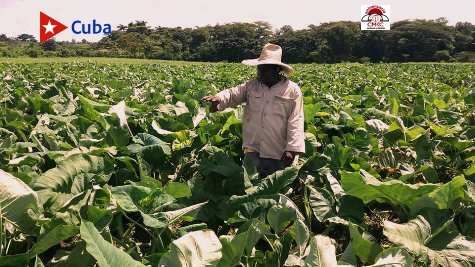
270, 54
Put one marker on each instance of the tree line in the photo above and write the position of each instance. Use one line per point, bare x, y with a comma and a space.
342, 41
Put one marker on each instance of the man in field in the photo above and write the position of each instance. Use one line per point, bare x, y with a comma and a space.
273, 120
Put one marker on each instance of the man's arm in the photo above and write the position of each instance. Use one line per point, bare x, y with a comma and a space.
295, 127
232, 97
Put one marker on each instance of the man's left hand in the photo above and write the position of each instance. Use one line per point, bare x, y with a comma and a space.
288, 157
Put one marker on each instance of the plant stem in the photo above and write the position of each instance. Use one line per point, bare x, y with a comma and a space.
139, 225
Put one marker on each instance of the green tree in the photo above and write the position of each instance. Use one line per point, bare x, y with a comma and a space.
49, 45
4, 38
24, 37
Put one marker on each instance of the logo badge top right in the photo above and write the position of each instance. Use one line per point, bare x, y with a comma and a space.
375, 18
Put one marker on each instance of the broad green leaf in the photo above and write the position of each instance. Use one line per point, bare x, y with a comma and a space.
340, 155
470, 171
423, 147
250, 172
148, 202
176, 110
334, 184
363, 244
310, 111
415, 234
311, 143
175, 214
321, 202
77, 257
301, 234
101, 107
293, 261
287, 202
470, 98
53, 237
395, 103
430, 174
14, 260
117, 136
92, 110
419, 105
45, 242
152, 221
192, 227
232, 120
412, 234
234, 247
120, 110
30, 159
414, 132
444, 130
161, 131
394, 133
465, 220
348, 257
321, 253
177, 190
270, 185
351, 207
444, 197
15, 199
129, 197
215, 160
377, 125
199, 116
179, 139
440, 104
106, 254
195, 249
395, 192
393, 257
7, 138
280, 217
316, 162
62, 177
149, 146
99, 216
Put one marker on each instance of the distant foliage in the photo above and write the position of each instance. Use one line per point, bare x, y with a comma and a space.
342, 41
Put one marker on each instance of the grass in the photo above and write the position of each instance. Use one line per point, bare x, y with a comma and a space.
106, 60
100, 60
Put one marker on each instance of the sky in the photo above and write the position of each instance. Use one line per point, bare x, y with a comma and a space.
22, 16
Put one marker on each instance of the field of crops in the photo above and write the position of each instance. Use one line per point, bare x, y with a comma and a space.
117, 164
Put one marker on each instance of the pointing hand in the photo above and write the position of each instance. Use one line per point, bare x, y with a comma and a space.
214, 102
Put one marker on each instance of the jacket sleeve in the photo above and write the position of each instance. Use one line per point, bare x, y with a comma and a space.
295, 126
231, 97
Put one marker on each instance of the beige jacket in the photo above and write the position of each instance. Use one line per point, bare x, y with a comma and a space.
273, 120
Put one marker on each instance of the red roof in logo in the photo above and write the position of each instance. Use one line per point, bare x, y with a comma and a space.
375, 10
49, 27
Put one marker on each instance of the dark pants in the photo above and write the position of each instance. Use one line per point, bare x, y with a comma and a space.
264, 166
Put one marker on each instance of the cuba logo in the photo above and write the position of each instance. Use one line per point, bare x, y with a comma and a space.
374, 17
78, 27
50, 27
